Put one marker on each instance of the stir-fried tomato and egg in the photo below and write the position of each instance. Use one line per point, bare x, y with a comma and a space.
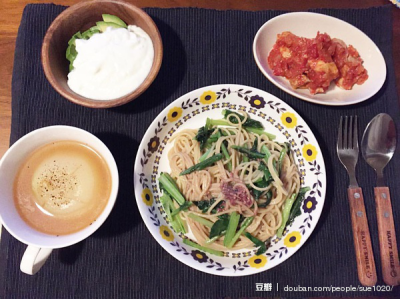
315, 63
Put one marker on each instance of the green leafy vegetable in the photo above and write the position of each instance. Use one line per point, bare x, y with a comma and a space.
252, 154
224, 217
260, 132
267, 154
267, 201
262, 247
232, 226
296, 208
285, 151
248, 123
175, 220
285, 213
168, 184
186, 205
246, 222
201, 165
203, 248
201, 220
212, 240
267, 174
226, 155
204, 205
205, 155
219, 226
203, 134
217, 122
262, 184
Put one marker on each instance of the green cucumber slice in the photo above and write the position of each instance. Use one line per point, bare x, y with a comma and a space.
114, 19
102, 26
74, 37
89, 33
71, 53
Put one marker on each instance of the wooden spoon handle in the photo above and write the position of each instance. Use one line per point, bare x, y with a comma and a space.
387, 237
362, 239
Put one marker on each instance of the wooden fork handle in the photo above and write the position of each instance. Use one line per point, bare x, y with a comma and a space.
387, 237
362, 239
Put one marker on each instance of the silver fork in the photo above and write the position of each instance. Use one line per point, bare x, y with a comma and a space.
347, 150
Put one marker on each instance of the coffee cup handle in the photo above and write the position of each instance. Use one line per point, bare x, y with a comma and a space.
34, 258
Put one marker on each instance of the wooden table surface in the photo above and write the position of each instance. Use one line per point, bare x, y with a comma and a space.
11, 12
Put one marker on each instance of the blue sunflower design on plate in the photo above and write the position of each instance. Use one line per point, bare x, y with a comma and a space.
153, 144
257, 102
309, 204
199, 256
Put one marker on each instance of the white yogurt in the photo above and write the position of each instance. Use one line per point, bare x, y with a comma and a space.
111, 64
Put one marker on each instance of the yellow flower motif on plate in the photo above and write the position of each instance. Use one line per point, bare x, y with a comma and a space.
289, 120
208, 97
174, 114
258, 261
309, 152
147, 197
292, 239
166, 233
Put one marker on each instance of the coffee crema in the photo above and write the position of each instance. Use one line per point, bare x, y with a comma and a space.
62, 187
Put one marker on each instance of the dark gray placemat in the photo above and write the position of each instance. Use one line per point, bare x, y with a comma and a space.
201, 47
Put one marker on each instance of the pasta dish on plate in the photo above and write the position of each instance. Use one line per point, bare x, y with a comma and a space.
231, 185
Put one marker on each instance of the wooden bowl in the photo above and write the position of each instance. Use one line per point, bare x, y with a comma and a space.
81, 17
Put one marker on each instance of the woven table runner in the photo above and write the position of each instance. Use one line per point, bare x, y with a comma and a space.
201, 47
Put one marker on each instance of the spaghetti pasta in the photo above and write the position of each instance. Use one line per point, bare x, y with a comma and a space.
238, 183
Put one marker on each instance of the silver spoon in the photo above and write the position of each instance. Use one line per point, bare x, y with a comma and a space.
377, 146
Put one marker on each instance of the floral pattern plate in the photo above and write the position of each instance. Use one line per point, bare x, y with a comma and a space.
191, 111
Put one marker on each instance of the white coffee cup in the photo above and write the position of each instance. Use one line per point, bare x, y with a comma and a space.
40, 245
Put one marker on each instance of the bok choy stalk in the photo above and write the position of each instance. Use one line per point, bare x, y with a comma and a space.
291, 209
178, 225
267, 154
205, 155
203, 248
226, 155
168, 184
285, 151
186, 205
285, 213
213, 239
224, 150
244, 225
201, 220
231, 229
260, 132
